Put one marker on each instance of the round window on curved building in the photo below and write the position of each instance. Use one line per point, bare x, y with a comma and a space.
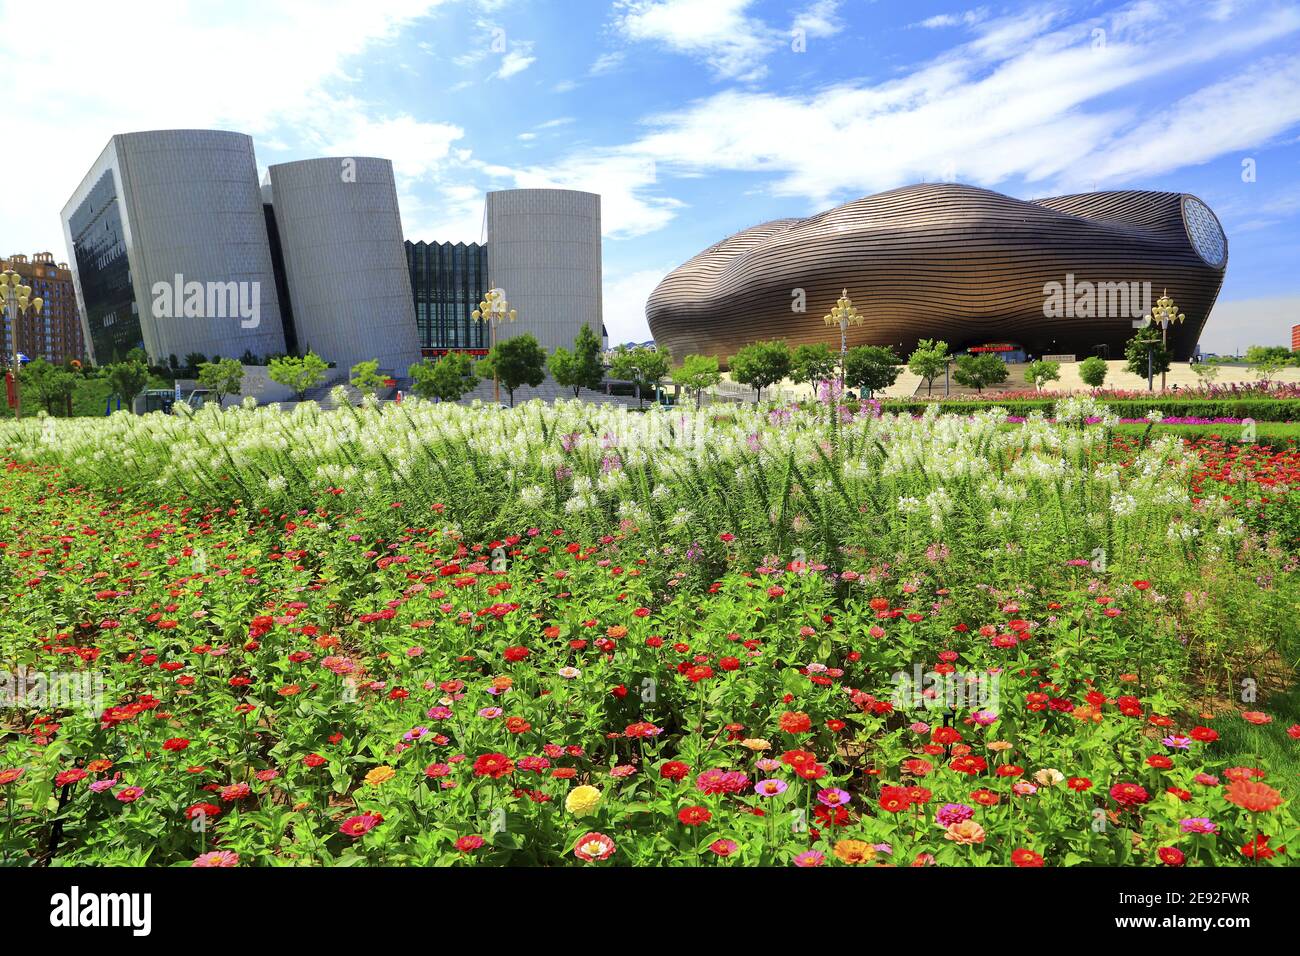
1205, 232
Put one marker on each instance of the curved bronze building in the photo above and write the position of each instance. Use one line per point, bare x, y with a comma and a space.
970, 266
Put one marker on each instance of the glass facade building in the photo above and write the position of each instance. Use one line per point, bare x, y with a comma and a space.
448, 280
99, 253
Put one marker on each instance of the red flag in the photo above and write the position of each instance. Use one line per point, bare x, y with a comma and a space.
10, 391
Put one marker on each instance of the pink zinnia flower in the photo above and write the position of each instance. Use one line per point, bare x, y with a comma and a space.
217, 858
360, 825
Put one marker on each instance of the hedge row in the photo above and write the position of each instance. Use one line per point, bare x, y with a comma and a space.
1259, 409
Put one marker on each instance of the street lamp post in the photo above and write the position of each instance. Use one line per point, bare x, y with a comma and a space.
16, 300
844, 314
1166, 312
494, 309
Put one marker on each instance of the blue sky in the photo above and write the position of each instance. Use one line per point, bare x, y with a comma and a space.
695, 118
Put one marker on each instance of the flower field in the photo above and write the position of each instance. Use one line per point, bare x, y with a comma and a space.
418, 634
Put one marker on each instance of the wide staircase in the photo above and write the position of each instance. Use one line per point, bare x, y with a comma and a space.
548, 391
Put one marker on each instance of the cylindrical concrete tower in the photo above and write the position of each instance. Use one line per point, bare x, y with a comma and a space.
341, 236
184, 208
544, 251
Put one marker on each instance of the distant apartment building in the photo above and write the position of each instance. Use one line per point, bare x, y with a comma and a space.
1295, 338
55, 334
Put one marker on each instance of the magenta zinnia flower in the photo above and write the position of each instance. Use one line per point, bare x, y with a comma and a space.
833, 797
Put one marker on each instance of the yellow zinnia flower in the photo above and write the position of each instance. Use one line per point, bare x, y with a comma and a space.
379, 775
582, 801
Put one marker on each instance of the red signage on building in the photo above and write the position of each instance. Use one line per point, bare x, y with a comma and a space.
1001, 347
439, 353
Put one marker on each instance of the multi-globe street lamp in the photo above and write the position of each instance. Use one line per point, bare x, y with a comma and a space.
494, 309
16, 299
844, 314
1165, 313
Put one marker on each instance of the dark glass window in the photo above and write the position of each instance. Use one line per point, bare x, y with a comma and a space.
100, 251
447, 282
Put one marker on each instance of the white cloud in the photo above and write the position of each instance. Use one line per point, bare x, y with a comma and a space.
607, 63
254, 67
1246, 110
624, 297
623, 181
516, 60
819, 19
1037, 91
717, 31
968, 18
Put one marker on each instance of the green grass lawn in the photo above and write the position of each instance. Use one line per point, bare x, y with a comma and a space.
1268, 746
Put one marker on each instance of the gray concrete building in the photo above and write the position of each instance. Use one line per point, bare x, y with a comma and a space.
340, 232
168, 246
544, 251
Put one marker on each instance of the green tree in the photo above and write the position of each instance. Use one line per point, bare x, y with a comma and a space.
870, 368
1146, 343
760, 364
928, 361
1206, 372
193, 360
128, 378
812, 364
1276, 356
299, 375
1040, 373
1267, 360
580, 368
516, 362
1093, 370
449, 379
641, 366
52, 385
365, 376
698, 372
222, 378
980, 371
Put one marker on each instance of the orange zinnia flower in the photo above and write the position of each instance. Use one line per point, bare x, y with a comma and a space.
1253, 796
854, 851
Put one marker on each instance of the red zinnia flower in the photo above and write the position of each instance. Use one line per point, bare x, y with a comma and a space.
795, 722
1024, 857
495, 766
695, 815
1129, 794
674, 770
